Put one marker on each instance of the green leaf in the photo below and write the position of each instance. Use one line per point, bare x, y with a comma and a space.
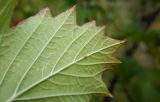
6, 8
54, 60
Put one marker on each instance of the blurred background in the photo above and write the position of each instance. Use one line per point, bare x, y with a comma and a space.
137, 79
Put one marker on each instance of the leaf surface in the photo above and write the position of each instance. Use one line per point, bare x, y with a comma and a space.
54, 60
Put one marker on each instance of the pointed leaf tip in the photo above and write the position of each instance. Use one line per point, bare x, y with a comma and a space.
74, 8
93, 22
45, 12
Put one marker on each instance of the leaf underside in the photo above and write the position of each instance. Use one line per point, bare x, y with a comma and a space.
54, 60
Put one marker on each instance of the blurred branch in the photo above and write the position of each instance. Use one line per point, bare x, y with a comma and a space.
112, 84
147, 20
111, 88
128, 95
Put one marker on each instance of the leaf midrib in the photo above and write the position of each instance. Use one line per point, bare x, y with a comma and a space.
14, 95
52, 74
9, 65
35, 98
69, 47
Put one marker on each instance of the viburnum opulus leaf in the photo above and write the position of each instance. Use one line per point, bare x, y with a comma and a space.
54, 60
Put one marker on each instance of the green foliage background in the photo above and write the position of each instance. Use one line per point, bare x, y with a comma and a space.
137, 21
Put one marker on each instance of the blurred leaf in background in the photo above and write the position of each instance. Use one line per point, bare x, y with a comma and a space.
6, 8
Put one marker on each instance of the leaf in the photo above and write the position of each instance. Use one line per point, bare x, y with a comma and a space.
6, 8
54, 60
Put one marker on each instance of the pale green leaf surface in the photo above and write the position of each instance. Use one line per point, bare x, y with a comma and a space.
54, 60
6, 9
